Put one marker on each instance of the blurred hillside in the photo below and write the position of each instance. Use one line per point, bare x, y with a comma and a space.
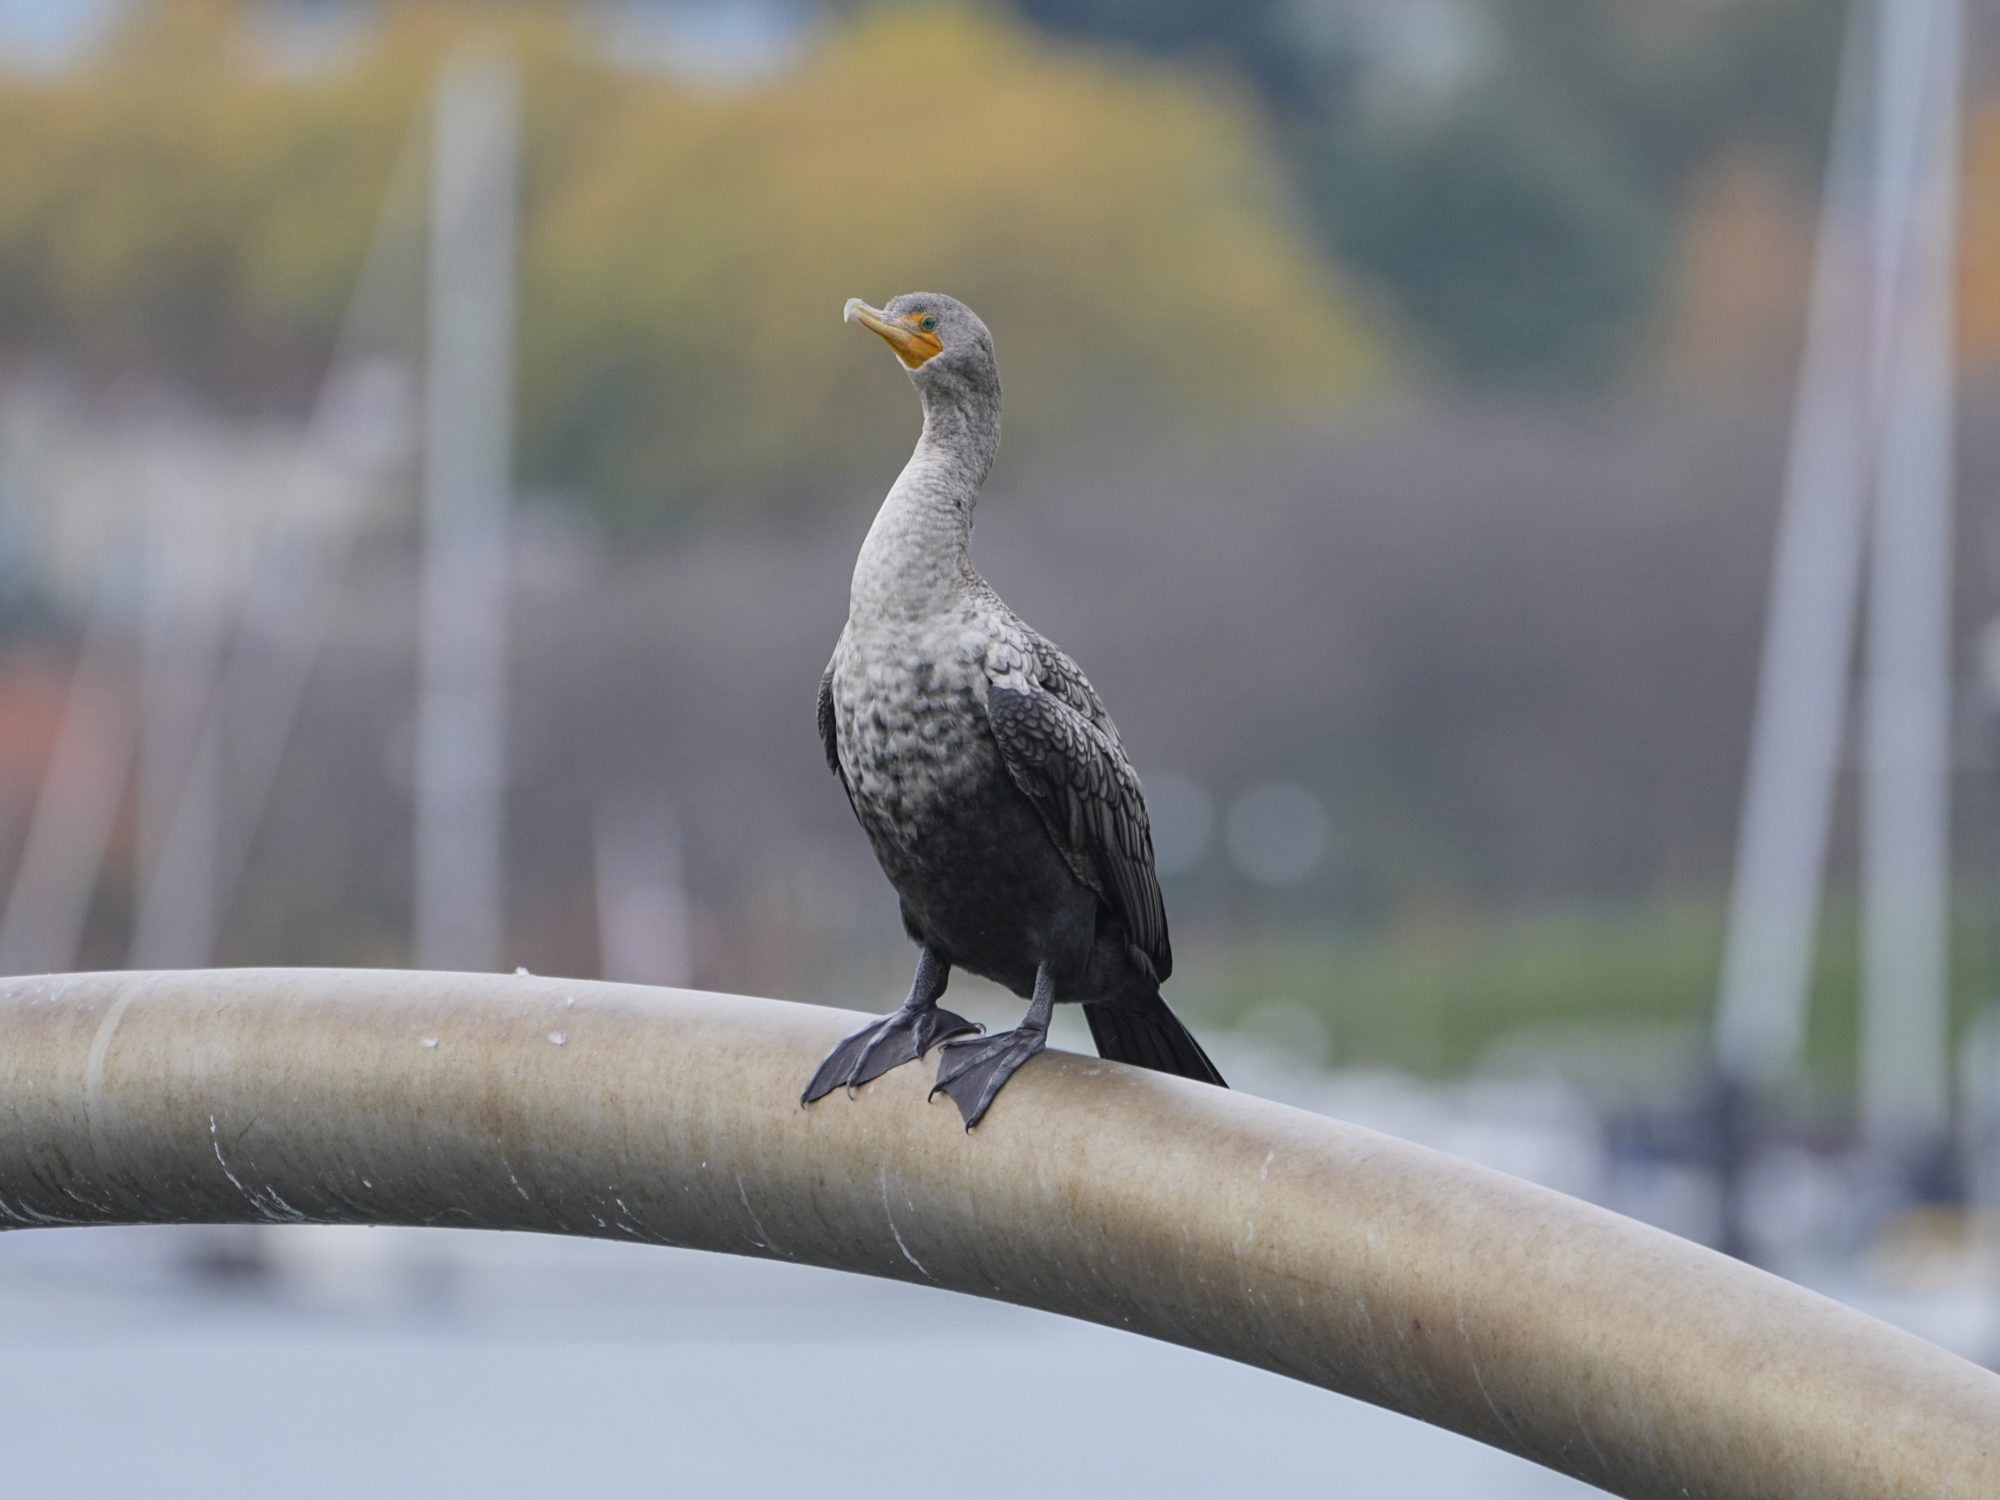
190, 211
1224, 218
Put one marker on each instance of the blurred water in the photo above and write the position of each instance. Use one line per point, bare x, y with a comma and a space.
532, 1368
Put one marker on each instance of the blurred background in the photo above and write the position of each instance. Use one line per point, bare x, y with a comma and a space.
1520, 472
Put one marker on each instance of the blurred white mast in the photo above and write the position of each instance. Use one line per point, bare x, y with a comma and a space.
1802, 680
1905, 843
1875, 389
180, 768
468, 418
355, 435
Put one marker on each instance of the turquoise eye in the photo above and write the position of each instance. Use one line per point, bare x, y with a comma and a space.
928, 322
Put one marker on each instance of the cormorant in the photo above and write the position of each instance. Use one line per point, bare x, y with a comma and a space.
987, 775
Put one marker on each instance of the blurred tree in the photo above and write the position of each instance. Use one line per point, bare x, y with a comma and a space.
1563, 167
176, 209
1515, 244
1979, 307
1522, 217
1125, 231
181, 207
1735, 307
1666, 87
1261, 37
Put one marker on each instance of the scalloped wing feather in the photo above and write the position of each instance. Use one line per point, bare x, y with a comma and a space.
1078, 778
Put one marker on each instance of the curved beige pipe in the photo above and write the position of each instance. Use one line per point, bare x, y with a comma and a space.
1531, 1321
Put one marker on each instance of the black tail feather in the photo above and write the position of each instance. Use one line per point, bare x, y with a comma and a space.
1149, 1035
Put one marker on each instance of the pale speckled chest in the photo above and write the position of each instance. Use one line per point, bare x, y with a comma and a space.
909, 699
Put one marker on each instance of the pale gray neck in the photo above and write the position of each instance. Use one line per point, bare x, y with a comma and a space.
916, 559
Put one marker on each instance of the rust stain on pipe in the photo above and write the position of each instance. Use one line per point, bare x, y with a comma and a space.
1542, 1325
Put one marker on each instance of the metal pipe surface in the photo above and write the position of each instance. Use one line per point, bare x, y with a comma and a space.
1531, 1321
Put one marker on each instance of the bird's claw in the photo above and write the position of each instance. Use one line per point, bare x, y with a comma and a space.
972, 1072
904, 1035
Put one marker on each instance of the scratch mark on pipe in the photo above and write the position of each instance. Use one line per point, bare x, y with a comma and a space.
346, 1204
1479, 1379
30, 1218
626, 1222
291, 1213
764, 1240
267, 1202
1588, 1441
93, 1206
93, 1077
513, 1179
639, 1229
890, 1214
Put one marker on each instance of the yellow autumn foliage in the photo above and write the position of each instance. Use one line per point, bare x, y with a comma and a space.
1736, 302
1979, 240
183, 206
1737, 307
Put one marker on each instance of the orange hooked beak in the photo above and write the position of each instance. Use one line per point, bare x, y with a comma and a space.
912, 345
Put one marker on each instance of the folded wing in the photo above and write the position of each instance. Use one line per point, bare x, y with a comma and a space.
1078, 778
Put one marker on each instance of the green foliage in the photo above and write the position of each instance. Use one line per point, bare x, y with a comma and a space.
186, 210
1259, 36
1667, 87
1515, 246
1523, 222
1437, 995
1122, 231
1520, 216
182, 212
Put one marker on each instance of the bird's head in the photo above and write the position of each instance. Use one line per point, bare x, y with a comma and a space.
941, 342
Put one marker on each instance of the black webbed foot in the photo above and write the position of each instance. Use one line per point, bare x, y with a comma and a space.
972, 1072
904, 1035
901, 1036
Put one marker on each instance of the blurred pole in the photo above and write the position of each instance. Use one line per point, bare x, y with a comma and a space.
1979, 1058
356, 430
1979, 1114
1906, 791
643, 922
468, 418
1802, 680
180, 767
76, 805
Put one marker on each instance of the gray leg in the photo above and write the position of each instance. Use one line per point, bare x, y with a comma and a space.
904, 1035
971, 1072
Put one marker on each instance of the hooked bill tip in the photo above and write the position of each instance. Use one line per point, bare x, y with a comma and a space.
854, 305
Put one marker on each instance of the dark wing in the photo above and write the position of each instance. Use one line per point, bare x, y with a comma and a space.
1065, 679
1088, 795
829, 733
